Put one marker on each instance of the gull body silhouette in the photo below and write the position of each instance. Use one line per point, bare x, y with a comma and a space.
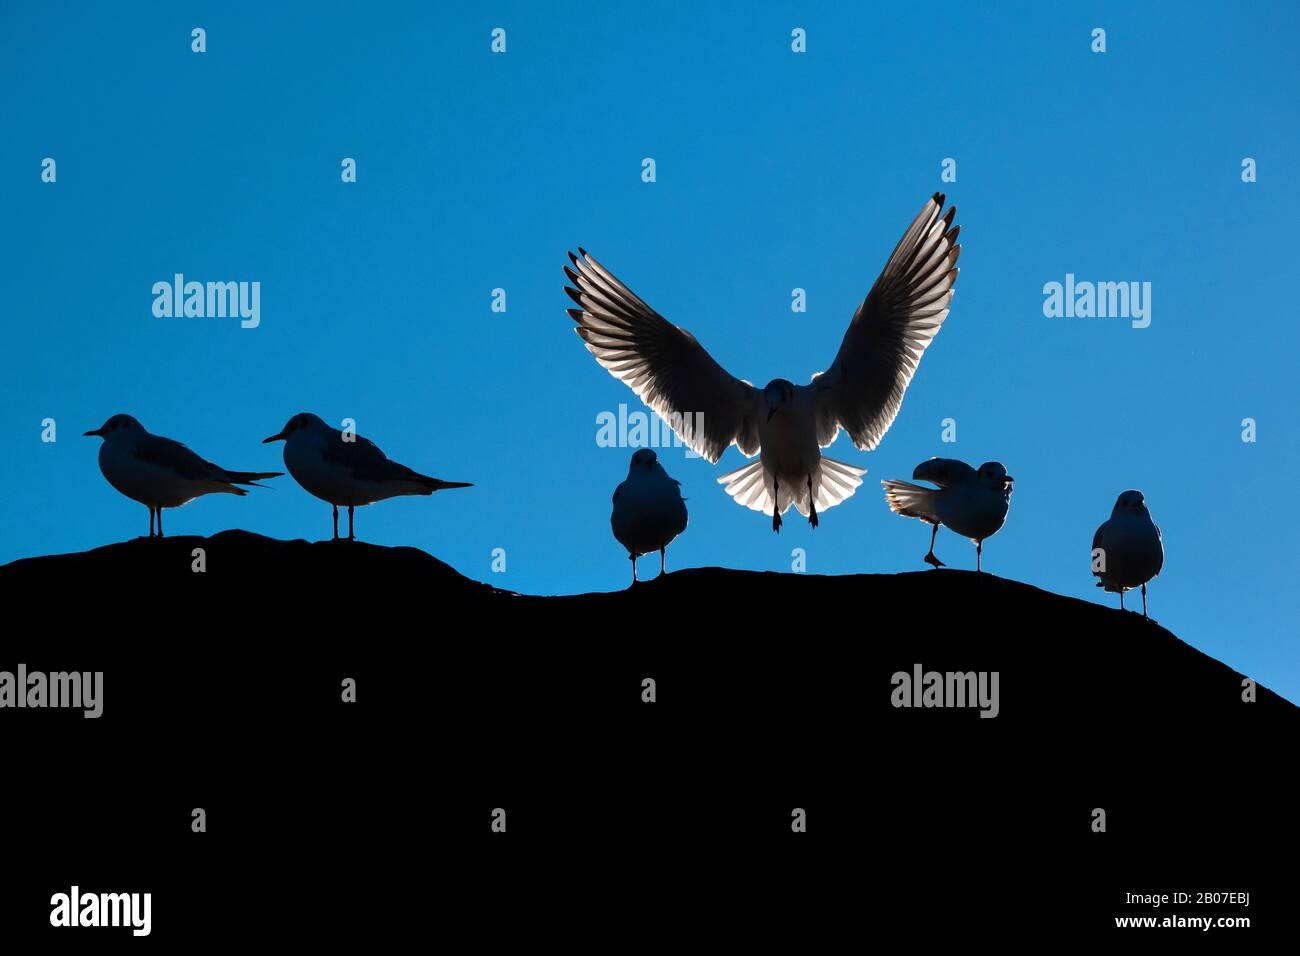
1127, 549
787, 425
972, 503
161, 473
649, 510
347, 471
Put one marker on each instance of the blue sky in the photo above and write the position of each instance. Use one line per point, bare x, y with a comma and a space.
775, 170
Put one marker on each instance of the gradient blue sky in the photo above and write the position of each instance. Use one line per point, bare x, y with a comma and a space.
775, 170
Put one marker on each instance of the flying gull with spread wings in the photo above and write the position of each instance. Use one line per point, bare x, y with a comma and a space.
161, 473
347, 470
787, 425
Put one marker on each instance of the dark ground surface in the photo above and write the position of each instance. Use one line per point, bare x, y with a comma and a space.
329, 821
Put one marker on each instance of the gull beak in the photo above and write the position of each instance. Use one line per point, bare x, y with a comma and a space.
1010, 479
278, 436
97, 433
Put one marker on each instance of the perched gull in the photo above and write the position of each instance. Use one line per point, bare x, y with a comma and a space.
649, 510
161, 473
347, 470
972, 503
786, 424
1127, 550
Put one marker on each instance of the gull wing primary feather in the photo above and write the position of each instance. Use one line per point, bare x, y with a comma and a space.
862, 390
664, 365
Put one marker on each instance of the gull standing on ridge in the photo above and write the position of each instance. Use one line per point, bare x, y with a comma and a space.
347, 472
786, 424
161, 473
972, 503
1127, 550
649, 510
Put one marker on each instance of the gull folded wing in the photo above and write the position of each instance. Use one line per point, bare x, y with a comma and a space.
363, 459
166, 453
944, 472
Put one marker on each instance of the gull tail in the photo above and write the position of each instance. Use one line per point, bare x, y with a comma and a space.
250, 477
837, 483
748, 486
437, 484
913, 501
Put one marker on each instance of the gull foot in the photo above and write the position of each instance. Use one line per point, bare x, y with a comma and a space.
776, 523
934, 562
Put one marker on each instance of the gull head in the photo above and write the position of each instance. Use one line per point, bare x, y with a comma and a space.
995, 473
643, 459
1130, 502
118, 425
777, 393
302, 423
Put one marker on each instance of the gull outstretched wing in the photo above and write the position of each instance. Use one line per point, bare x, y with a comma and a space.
663, 364
862, 390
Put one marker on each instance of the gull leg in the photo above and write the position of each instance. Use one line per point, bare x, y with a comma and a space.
160, 534
336, 522
812, 504
930, 558
351, 536
1144, 603
1121, 599
776, 515
662, 557
633, 557
979, 546
151, 521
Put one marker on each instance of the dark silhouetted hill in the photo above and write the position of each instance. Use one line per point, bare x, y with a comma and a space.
773, 692
1060, 656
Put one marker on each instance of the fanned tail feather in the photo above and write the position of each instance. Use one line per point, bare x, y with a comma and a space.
913, 501
838, 482
749, 486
